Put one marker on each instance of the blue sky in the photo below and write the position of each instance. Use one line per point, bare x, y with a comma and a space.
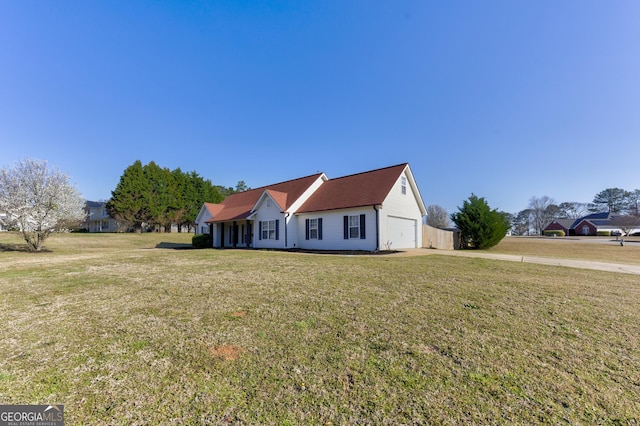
504, 99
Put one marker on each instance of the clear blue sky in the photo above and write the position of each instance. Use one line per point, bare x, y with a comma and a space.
504, 99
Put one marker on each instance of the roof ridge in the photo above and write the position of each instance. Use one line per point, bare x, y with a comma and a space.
370, 171
284, 181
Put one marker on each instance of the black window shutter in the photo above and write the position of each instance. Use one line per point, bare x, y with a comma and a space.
277, 229
320, 228
260, 230
306, 229
362, 226
346, 227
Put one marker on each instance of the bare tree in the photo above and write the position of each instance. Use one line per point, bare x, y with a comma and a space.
38, 200
543, 211
627, 223
437, 216
521, 222
572, 210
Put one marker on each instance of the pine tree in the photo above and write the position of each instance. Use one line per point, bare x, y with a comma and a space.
152, 196
128, 202
612, 199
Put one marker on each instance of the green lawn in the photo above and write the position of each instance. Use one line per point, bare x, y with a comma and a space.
123, 332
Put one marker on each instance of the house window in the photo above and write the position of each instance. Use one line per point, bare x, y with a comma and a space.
404, 185
268, 229
354, 226
268, 202
313, 229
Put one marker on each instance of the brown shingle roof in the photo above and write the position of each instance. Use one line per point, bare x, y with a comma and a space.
238, 206
359, 190
213, 208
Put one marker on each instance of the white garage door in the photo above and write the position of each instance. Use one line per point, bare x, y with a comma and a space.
401, 232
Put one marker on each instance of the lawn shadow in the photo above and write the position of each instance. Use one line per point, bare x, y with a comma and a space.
174, 246
20, 248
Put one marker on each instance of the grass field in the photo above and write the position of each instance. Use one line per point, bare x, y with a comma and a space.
600, 249
131, 329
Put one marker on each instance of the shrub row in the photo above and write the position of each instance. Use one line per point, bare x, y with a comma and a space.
556, 233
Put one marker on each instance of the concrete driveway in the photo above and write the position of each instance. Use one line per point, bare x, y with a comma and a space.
569, 263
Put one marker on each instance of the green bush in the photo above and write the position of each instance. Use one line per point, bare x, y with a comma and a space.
480, 226
603, 233
556, 232
202, 241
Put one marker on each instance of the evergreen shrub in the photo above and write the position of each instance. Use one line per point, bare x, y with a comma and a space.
202, 241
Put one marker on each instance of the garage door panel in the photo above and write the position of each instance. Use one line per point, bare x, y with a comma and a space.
401, 232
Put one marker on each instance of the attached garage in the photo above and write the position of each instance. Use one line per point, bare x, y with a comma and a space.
401, 232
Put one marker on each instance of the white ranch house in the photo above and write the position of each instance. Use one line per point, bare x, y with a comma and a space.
375, 210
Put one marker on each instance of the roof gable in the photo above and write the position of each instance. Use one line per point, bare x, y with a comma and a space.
240, 205
359, 190
280, 198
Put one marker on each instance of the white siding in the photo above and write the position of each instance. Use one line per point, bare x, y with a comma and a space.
203, 216
333, 231
292, 234
268, 210
397, 207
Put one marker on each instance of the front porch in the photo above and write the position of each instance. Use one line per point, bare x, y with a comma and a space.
233, 234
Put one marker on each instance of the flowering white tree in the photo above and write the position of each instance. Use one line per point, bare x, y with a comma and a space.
38, 200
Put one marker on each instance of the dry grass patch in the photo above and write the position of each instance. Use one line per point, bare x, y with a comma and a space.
226, 352
600, 249
157, 336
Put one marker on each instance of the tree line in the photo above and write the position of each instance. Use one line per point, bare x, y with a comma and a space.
150, 197
542, 210
483, 227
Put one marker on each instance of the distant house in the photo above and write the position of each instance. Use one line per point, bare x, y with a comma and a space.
97, 218
560, 225
375, 210
591, 225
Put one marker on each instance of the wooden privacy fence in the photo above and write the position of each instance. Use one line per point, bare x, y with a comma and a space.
439, 238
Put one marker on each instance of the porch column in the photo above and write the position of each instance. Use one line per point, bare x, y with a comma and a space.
234, 233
